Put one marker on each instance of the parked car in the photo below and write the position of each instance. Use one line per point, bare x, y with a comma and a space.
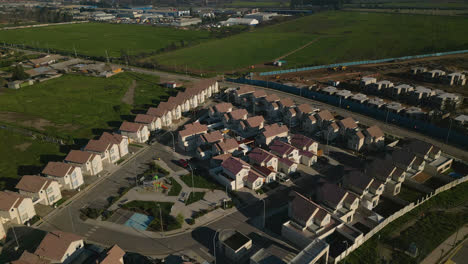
183, 197
183, 163
281, 177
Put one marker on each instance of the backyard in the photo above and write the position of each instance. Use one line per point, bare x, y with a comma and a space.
152, 209
338, 36
96, 38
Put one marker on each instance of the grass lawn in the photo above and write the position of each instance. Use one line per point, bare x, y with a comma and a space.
200, 182
95, 38
78, 106
175, 188
409, 195
194, 197
22, 155
343, 36
152, 209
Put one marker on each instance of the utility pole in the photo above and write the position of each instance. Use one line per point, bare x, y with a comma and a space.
160, 220
107, 57
16, 238
74, 49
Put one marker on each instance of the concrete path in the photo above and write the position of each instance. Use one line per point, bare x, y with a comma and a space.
446, 246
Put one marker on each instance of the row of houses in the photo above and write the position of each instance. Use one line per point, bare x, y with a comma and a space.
454, 78
94, 158
418, 95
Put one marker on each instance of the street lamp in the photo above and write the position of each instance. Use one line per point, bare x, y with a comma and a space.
193, 185
264, 210
160, 220
173, 140
214, 245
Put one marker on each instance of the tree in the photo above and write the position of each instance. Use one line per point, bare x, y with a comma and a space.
3, 82
19, 74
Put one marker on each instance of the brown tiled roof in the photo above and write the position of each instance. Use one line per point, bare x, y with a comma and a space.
403, 157
381, 169
130, 127
302, 208
29, 258
144, 119
9, 200
260, 155
305, 108
253, 176
212, 137
227, 145
193, 129
238, 114
111, 138
113, 256
55, 245
97, 145
169, 106
33, 183
272, 98
306, 153
286, 161
234, 165
300, 141
334, 126
292, 111
274, 130
375, 131
312, 118
325, 115
348, 123
259, 93
286, 102
332, 193
197, 87
264, 171
281, 148
78, 156
223, 107
57, 169
157, 112
222, 157
245, 89
255, 121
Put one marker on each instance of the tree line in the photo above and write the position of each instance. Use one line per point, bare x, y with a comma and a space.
42, 15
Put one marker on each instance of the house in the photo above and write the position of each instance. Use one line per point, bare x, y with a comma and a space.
68, 176
188, 138
304, 143
418, 70
254, 180
379, 87
233, 118
243, 95
173, 106
15, 207
331, 132
258, 96
89, 163
30, 258
374, 137
461, 120
135, 132
399, 90
367, 188
108, 151
251, 126
415, 112
394, 107
421, 93
355, 140
285, 150
226, 146
433, 75
344, 94
219, 110
347, 126
152, 122
60, 247
263, 158
408, 161
455, 78
271, 133
290, 117
211, 138
307, 158
273, 111
164, 114
239, 21
304, 110
340, 202
324, 118
116, 140
216, 161
376, 102
306, 213
359, 98
424, 150
445, 100
365, 81
329, 90
46, 60
114, 255
385, 171
40, 189
232, 174
285, 104
267, 174
309, 124
234, 245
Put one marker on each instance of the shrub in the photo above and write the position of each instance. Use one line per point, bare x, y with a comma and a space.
190, 221
88, 212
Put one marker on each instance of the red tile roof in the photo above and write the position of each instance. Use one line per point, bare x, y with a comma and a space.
157, 112
29, 258
325, 115
245, 89
145, 119
259, 93
274, 130
272, 98
300, 141
375, 131
193, 129
255, 121
9, 200
302, 209
78, 156
55, 245
130, 127
33, 183
281, 148
223, 107
227, 145
113, 256
305, 108
111, 138
260, 155
97, 145
212, 137
348, 123
253, 176
234, 165
239, 114
286, 102
57, 169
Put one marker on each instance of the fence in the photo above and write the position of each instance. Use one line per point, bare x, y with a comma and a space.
398, 214
424, 127
354, 63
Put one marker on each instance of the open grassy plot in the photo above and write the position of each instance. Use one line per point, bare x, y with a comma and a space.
266, 3
195, 197
342, 36
77, 106
95, 38
200, 182
21, 154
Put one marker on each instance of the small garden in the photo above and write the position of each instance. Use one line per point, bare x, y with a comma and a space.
195, 197
169, 222
409, 194
176, 188
201, 182
154, 169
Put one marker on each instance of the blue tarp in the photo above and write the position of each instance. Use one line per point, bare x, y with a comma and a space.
139, 221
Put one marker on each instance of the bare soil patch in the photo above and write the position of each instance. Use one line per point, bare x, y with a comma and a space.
23, 146
24, 120
128, 96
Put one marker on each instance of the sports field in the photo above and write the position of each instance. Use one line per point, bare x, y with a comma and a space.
78, 106
95, 38
343, 36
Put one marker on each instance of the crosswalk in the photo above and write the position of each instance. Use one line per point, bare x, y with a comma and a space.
91, 231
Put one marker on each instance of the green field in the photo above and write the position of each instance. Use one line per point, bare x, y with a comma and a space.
258, 4
343, 36
436, 4
95, 38
21, 154
77, 106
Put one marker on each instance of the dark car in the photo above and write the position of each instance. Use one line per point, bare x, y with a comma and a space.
183, 163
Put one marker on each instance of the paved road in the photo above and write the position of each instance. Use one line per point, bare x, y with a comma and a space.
366, 120
459, 254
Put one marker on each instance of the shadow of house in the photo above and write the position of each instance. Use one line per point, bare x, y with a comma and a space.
204, 235
46, 158
29, 170
28, 238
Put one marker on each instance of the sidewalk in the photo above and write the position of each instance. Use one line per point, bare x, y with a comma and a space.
446, 246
